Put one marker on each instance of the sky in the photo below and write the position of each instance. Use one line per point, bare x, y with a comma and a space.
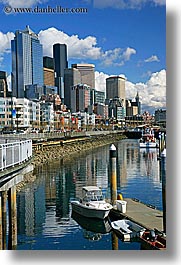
121, 37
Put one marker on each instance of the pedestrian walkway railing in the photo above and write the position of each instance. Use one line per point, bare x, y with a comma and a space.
15, 153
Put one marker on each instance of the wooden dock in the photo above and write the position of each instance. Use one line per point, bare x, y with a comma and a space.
142, 214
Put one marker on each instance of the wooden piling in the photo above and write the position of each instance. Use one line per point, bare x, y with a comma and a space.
4, 216
163, 177
115, 245
113, 154
12, 218
1, 230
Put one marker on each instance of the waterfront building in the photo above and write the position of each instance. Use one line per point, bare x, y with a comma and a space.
116, 109
100, 110
87, 73
80, 97
19, 113
72, 77
60, 62
3, 84
160, 117
46, 115
27, 61
85, 120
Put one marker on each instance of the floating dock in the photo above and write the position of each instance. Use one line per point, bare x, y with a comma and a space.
140, 213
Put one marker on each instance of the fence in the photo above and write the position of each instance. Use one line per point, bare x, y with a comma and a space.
15, 153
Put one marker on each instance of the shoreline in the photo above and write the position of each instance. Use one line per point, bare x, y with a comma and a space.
68, 149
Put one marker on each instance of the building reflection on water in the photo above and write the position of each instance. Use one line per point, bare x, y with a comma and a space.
44, 206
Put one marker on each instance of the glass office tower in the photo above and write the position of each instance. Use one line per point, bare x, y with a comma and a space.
27, 61
61, 63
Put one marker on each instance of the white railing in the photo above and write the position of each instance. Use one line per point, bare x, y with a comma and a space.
15, 153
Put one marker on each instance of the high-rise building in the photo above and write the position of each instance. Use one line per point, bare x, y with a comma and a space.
80, 97
3, 84
48, 71
87, 73
115, 87
72, 77
27, 61
60, 60
99, 97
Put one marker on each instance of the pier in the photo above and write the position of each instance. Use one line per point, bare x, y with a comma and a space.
14, 158
144, 215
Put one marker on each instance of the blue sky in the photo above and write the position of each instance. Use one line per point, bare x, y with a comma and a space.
120, 37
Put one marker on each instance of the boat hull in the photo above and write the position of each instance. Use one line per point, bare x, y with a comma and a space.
88, 211
148, 145
127, 229
158, 244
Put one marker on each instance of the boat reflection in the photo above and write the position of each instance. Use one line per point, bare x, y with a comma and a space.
93, 228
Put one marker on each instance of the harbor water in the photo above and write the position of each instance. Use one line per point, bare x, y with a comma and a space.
44, 215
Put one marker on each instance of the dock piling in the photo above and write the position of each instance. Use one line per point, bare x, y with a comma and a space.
163, 177
113, 155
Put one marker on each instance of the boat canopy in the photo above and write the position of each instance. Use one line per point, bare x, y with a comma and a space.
91, 188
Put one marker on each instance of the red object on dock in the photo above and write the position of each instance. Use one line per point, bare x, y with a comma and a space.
150, 242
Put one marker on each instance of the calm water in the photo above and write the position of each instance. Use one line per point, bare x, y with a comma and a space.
44, 211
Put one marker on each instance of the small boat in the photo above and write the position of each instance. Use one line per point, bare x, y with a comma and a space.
101, 226
127, 229
92, 204
151, 241
148, 139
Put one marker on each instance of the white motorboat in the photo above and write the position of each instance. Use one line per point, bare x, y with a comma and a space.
92, 204
148, 139
127, 229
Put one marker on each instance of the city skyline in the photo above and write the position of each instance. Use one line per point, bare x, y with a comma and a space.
130, 44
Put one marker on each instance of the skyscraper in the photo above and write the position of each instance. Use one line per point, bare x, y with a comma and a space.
60, 60
72, 77
115, 88
48, 71
87, 73
27, 61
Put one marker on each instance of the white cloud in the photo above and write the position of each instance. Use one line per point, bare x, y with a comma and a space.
126, 4
83, 48
100, 81
5, 43
127, 53
22, 3
117, 57
153, 58
152, 93
77, 48
160, 2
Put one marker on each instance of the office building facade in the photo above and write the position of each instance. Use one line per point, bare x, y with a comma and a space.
48, 71
87, 73
80, 98
27, 61
115, 87
60, 62
72, 77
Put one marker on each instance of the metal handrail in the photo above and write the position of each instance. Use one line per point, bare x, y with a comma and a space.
15, 153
